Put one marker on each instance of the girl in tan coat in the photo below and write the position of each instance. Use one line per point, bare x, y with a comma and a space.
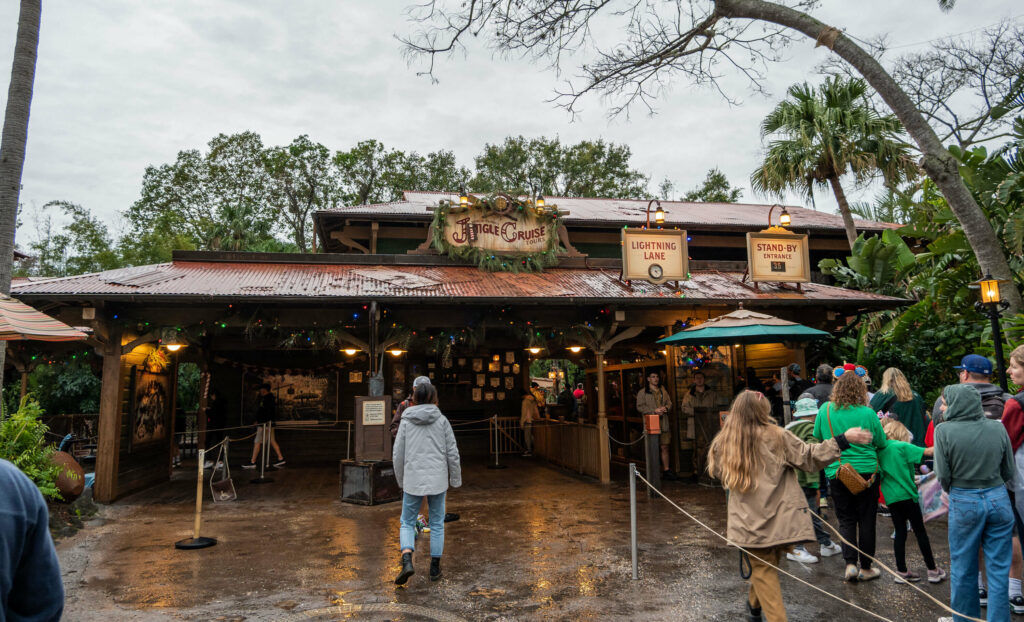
756, 461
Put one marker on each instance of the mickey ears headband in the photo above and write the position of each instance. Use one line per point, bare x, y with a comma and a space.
860, 370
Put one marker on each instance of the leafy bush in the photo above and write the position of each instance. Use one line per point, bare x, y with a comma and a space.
23, 442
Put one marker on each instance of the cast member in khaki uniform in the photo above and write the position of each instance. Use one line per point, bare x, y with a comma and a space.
701, 403
655, 400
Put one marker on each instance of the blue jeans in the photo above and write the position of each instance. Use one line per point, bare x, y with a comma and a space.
410, 510
980, 520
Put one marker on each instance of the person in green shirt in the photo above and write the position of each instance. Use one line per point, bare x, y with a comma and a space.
898, 462
802, 427
856, 513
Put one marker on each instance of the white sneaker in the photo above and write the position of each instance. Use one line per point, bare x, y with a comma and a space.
831, 549
801, 555
208, 464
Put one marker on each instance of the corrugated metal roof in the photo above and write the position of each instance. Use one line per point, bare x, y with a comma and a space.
311, 281
617, 212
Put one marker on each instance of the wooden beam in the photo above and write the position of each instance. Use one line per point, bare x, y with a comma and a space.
149, 337
108, 445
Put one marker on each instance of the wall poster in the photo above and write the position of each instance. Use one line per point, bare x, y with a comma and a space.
151, 408
301, 397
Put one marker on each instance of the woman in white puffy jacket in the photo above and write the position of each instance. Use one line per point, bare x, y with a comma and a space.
426, 463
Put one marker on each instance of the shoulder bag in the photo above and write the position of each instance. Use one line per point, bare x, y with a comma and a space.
222, 489
846, 473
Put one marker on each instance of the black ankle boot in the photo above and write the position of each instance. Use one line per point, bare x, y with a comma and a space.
435, 568
407, 570
753, 615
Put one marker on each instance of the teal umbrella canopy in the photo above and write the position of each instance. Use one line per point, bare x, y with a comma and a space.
746, 327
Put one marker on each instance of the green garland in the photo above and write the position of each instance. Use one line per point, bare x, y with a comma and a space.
497, 261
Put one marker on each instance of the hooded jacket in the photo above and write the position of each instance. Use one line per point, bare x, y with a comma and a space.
991, 395
970, 450
425, 454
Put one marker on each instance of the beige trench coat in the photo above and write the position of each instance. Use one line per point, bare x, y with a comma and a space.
774, 512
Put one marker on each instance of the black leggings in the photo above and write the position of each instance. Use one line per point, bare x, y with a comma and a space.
856, 515
903, 511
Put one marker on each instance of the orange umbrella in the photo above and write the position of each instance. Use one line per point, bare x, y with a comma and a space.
19, 321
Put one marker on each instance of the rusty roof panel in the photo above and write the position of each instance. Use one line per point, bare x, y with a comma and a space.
302, 281
616, 212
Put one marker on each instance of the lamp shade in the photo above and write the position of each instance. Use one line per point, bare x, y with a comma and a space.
989, 289
784, 218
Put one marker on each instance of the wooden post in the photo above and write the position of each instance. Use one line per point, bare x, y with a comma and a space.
24, 383
108, 445
670, 385
604, 452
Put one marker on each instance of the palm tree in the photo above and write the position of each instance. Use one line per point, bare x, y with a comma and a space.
826, 133
15, 134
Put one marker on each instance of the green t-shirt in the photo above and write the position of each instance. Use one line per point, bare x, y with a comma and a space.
863, 458
897, 462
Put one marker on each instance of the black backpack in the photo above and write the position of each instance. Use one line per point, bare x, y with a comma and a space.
992, 404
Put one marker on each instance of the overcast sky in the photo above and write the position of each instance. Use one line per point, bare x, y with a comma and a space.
122, 84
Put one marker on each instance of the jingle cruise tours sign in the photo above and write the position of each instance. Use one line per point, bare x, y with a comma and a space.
520, 232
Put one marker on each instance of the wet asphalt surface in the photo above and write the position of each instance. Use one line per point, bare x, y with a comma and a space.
533, 543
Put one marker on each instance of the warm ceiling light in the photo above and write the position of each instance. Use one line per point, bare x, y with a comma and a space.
396, 352
496, 358
350, 351
173, 347
784, 218
575, 349
665, 352
533, 350
552, 374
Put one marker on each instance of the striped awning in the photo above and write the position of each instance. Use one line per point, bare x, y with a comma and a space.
19, 321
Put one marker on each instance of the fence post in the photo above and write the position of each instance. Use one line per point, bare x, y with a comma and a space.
632, 518
197, 541
497, 446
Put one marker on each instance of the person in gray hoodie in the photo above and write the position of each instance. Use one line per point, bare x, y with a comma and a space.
973, 463
426, 461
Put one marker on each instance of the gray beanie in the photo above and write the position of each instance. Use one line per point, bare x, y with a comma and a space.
420, 380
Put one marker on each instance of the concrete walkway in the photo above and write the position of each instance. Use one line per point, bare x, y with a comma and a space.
534, 543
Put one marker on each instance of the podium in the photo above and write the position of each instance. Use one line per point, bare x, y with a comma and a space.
368, 482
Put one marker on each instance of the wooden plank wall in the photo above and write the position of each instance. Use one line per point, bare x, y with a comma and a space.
140, 468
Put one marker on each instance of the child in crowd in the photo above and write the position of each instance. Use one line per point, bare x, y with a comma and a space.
802, 427
897, 463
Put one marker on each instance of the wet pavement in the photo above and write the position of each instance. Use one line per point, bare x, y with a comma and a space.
533, 543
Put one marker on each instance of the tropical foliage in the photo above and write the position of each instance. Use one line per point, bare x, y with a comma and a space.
23, 441
819, 135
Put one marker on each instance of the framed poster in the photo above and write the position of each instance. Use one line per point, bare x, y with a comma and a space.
505, 369
355, 376
477, 394
305, 397
478, 364
489, 396
495, 381
510, 357
510, 382
501, 396
462, 362
151, 408
515, 369
494, 366
481, 380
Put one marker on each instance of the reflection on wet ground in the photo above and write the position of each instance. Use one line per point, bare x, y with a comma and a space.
533, 543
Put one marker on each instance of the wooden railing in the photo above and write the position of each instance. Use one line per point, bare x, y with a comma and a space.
569, 444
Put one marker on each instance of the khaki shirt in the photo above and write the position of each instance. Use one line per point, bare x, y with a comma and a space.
704, 400
647, 403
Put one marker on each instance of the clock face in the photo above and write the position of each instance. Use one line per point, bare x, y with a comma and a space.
655, 271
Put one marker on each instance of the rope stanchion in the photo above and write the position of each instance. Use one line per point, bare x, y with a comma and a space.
791, 575
497, 449
264, 456
197, 541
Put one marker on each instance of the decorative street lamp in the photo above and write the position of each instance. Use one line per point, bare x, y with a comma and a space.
659, 214
991, 304
784, 219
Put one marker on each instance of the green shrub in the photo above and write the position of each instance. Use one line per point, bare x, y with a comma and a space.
23, 442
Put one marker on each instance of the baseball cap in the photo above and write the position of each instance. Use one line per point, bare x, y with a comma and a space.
975, 364
806, 407
420, 380
794, 367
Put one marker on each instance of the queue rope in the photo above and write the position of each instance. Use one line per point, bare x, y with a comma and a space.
798, 579
615, 440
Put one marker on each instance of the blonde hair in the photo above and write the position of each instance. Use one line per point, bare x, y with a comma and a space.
737, 451
849, 390
893, 381
895, 431
1018, 355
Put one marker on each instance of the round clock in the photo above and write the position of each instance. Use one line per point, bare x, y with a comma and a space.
655, 271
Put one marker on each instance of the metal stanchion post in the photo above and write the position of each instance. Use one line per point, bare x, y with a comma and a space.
348, 440
197, 541
652, 445
263, 457
632, 518
497, 449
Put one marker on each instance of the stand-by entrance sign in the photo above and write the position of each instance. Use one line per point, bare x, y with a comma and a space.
656, 256
778, 257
